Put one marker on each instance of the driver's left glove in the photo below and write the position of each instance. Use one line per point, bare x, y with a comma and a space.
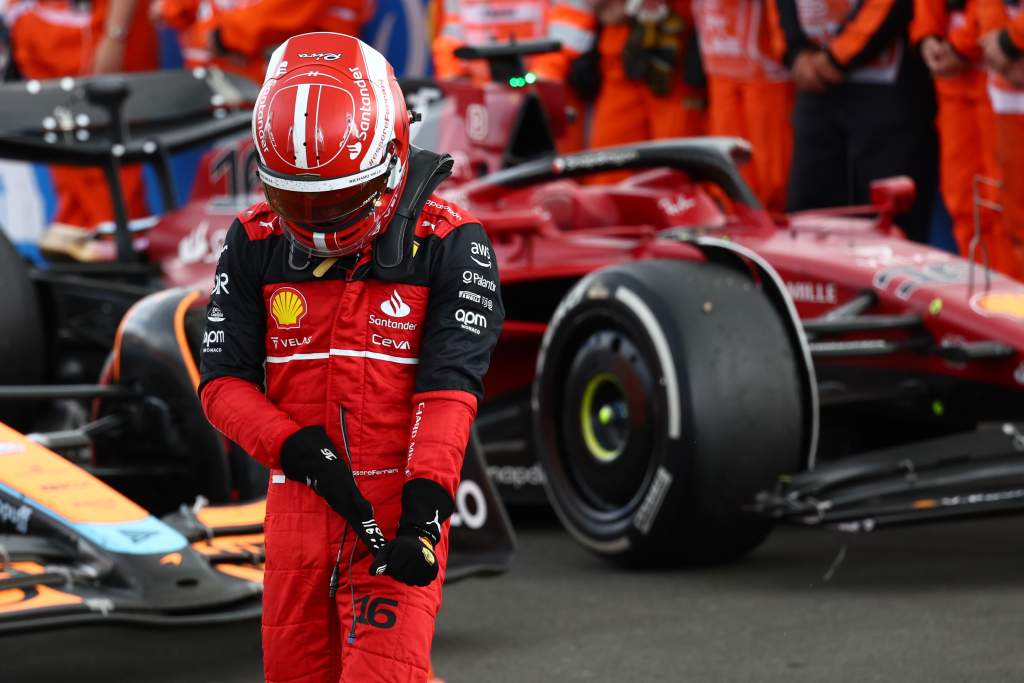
410, 558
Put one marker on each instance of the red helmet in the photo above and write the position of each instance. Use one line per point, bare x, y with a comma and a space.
332, 133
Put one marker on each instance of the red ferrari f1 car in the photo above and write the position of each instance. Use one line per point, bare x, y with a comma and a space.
688, 369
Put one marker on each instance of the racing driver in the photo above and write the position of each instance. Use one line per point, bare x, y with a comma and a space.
352, 318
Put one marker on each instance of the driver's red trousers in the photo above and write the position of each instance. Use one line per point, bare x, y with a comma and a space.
394, 622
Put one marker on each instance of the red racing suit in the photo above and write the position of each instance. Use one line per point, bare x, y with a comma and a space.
389, 361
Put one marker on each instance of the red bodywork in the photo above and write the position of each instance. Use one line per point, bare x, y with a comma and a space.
548, 235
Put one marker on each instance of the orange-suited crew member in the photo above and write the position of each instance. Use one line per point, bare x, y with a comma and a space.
56, 38
749, 94
947, 33
865, 104
238, 35
643, 93
1002, 28
483, 22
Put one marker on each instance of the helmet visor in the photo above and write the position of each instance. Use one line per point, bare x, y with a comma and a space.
328, 210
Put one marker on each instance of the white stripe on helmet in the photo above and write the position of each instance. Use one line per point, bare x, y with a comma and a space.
319, 241
316, 127
299, 125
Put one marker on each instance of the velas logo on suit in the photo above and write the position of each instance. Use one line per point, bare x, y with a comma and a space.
394, 306
287, 308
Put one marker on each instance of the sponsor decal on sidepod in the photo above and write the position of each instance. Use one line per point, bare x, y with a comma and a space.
17, 517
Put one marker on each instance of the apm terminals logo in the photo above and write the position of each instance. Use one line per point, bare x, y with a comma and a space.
287, 308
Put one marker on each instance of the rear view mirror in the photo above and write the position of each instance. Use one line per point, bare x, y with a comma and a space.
893, 195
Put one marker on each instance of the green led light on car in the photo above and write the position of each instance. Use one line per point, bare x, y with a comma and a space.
522, 81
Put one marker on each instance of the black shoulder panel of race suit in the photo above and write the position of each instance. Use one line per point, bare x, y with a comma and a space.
391, 251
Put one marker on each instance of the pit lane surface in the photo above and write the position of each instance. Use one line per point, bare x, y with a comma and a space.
942, 603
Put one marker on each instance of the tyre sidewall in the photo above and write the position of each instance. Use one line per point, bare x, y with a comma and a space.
705, 467
591, 302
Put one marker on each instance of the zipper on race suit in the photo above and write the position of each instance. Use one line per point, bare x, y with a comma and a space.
333, 588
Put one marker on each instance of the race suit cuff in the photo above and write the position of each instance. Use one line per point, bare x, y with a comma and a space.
441, 421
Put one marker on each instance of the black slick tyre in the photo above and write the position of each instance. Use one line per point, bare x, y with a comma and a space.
668, 393
23, 343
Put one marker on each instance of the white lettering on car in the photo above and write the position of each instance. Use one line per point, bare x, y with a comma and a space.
813, 292
470, 505
10, 448
18, 517
201, 245
676, 205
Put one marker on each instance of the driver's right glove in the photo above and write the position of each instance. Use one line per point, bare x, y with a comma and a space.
308, 456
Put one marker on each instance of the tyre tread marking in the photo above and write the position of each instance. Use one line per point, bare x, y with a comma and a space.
668, 366
645, 515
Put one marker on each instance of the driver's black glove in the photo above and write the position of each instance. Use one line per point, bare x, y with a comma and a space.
410, 558
308, 456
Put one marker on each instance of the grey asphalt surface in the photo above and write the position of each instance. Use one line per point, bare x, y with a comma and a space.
942, 603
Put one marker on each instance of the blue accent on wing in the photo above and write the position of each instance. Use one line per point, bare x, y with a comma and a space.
147, 536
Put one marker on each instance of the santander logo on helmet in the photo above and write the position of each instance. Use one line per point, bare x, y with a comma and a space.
332, 137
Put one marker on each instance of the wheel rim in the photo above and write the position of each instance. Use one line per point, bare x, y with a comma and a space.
604, 417
609, 422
